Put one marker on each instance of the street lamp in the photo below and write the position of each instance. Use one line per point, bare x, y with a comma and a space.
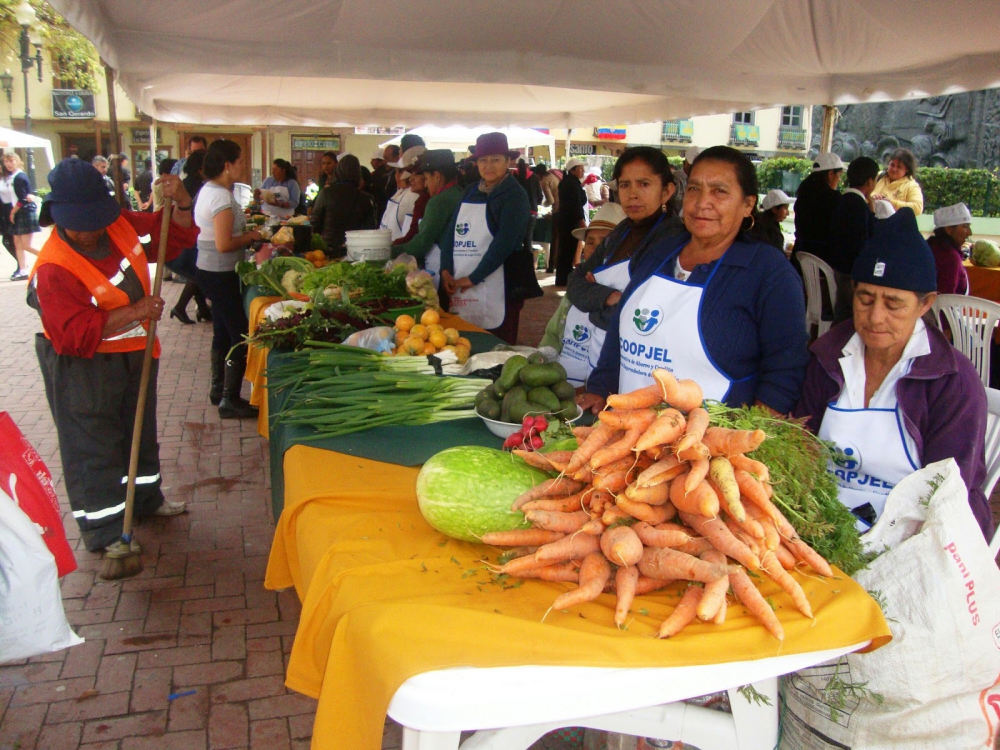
26, 17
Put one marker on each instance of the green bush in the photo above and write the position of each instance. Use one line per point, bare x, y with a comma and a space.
769, 171
979, 189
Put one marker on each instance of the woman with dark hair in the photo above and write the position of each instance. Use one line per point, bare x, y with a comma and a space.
184, 266
815, 201
710, 303
898, 184
571, 216
342, 206
773, 211
646, 187
280, 191
952, 229
222, 238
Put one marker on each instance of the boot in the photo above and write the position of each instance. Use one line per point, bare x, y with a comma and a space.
232, 405
218, 377
204, 311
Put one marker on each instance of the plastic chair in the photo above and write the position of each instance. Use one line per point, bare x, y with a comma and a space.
972, 321
812, 267
992, 453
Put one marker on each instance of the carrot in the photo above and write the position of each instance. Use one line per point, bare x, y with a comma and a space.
722, 441
662, 471
581, 433
743, 536
557, 487
724, 477
777, 573
697, 423
626, 419
653, 514
658, 494
613, 483
693, 452
698, 472
594, 527
770, 534
753, 491
751, 466
756, 605
621, 546
600, 435
597, 501
720, 616
521, 537
614, 451
648, 585
716, 532
669, 426
625, 463
682, 394
565, 572
625, 580
696, 547
641, 398
750, 525
808, 555
573, 547
683, 613
785, 557
670, 563
702, 501
520, 565
567, 523
556, 504
594, 573
614, 514
714, 595
583, 476
654, 537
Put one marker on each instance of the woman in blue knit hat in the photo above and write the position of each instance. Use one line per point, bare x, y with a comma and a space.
890, 391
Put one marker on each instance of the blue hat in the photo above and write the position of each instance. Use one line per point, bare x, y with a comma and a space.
79, 200
897, 256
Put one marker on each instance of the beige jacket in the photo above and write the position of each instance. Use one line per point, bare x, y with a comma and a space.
904, 192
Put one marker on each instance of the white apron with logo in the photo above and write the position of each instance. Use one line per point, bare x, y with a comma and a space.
280, 194
482, 305
398, 227
656, 330
877, 457
577, 335
617, 277
432, 264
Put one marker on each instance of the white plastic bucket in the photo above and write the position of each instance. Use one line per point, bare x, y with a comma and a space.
368, 244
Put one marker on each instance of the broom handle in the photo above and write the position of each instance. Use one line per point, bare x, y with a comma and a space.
147, 366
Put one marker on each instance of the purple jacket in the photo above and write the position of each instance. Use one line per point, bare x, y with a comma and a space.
942, 399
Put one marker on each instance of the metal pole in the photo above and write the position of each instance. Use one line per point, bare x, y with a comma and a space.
109, 77
830, 114
25, 67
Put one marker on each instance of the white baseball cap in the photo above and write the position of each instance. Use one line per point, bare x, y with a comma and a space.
952, 216
692, 153
827, 161
775, 198
377, 154
409, 157
608, 216
883, 209
574, 163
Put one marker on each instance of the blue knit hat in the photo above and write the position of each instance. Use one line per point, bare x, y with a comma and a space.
897, 256
79, 200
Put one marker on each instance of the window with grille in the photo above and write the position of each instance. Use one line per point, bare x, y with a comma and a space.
746, 118
791, 116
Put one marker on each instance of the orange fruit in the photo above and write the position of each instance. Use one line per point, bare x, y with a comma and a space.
452, 335
405, 322
400, 337
462, 352
462, 341
413, 345
419, 330
438, 339
430, 317
429, 348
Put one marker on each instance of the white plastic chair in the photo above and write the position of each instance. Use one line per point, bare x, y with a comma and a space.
972, 321
812, 267
992, 454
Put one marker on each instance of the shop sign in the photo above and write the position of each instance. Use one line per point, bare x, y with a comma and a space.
73, 104
141, 135
582, 149
379, 131
315, 143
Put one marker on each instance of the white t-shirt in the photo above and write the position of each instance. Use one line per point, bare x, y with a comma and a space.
212, 200
679, 273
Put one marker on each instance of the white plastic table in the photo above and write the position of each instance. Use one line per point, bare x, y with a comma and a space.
511, 707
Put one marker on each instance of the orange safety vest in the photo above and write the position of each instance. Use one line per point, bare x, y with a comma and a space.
106, 296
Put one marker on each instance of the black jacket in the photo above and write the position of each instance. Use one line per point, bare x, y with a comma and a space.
533, 187
340, 207
814, 204
851, 225
572, 199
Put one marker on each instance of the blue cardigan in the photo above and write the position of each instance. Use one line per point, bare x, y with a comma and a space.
507, 214
752, 320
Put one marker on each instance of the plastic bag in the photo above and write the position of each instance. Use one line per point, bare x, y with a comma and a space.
404, 259
32, 620
25, 478
381, 339
939, 678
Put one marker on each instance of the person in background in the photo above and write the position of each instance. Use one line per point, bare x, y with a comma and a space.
342, 206
377, 160
550, 186
725, 310
164, 167
441, 179
814, 203
311, 191
417, 185
595, 287
91, 287
284, 189
592, 185
144, 186
773, 211
23, 214
898, 184
195, 143
383, 179
479, 244
184, 266
398, 215
126, 173
572, 215
533, 189
327, 166
952, 229
101, 164
689, 156
891, 392
852, 224
7, 201
220, 244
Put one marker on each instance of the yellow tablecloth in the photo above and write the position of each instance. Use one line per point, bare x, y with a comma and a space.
386, 598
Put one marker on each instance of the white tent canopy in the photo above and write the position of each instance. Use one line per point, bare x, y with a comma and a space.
530, 62
14, 139
458, 139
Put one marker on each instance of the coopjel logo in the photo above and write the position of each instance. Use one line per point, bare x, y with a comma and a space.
462, 229
646, 320
849, 458
581, 333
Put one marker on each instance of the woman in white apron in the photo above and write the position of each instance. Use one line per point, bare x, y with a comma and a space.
710, 304
398, 214
646, 188
889, 391
283, 194
487, 230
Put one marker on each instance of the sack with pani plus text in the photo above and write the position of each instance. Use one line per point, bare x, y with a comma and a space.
937, 683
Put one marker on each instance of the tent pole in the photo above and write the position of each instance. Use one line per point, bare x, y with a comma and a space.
109, 77
830, 114
569, 142
152, 148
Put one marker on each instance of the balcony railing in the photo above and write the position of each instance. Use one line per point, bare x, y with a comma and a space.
792, 138
742, 134
678, 130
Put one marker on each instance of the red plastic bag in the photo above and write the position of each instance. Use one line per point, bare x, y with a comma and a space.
27, 481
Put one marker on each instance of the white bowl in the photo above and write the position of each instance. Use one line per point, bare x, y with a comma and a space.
506, 429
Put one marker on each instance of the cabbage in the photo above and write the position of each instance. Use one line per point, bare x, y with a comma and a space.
467, 491
986, 253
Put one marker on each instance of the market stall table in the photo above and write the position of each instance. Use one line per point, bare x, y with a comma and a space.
983, 282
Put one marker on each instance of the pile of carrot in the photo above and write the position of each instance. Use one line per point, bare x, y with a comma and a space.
655, 494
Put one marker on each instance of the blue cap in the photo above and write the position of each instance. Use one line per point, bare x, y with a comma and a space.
897, 256
79, 200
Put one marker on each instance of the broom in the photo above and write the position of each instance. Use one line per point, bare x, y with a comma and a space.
123, 558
